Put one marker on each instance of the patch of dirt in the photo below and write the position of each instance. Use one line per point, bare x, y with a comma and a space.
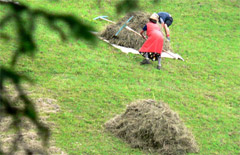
154, 127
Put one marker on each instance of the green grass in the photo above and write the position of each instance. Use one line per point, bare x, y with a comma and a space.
94, 83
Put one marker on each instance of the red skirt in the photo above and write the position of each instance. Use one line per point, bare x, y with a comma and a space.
154, 43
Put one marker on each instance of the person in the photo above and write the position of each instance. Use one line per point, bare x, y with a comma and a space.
153, 46
166, 20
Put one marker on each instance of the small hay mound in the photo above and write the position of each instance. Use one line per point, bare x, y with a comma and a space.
154, 127
27, 140
127, 38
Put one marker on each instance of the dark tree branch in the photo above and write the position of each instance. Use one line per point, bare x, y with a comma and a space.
28, 46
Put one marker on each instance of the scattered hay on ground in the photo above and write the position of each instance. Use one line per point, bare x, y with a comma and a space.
153, 126
28, 141
47, 105
127, 38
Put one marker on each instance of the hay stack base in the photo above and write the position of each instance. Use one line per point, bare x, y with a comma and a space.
153, 126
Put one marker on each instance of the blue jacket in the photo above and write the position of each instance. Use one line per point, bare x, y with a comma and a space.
163, 16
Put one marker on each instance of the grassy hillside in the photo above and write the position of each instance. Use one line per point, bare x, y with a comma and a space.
93, 83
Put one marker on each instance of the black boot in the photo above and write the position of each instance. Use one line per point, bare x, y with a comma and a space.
158, 67
145, 61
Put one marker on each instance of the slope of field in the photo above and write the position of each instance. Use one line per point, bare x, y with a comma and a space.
93, 83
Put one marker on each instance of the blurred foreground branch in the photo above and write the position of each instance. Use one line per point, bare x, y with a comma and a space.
26, 45
23, 107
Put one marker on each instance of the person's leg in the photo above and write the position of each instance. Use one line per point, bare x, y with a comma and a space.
169, 21
146, 56
159, 63
146, 60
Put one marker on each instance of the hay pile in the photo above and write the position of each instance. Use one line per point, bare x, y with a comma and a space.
154, 127
127, 38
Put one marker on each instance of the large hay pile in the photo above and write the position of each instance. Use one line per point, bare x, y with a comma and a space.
154, 127
127, 38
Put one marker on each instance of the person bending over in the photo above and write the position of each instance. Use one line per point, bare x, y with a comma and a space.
166, 20
153, 46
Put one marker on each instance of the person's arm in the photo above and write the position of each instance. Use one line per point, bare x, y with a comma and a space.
144, 29
165, 28
143, 35
167, 31
162, 22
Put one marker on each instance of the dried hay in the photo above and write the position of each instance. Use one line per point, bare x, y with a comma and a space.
47, 105
127, 38
28, 140
154, 127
